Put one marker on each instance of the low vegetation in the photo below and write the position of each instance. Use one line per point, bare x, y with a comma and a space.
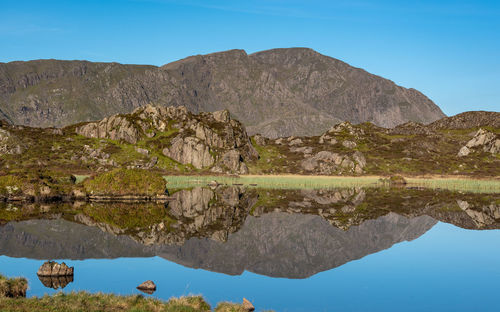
126, 182
83, 301
328, 182
13, 287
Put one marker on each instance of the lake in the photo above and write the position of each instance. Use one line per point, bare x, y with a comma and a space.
340, 249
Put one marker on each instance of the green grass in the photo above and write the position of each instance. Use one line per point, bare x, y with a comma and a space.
273, 182
465, 185
126, 182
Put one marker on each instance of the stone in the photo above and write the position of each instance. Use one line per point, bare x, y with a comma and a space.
360, 159
349, 144
115, 127
222, 116
52, 268
464, 151
147, 287
142, 151
247, 305
259, 140
483, 139
190, 150
233, 161
295, 142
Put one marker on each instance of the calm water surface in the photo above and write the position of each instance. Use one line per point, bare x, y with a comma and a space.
331, 250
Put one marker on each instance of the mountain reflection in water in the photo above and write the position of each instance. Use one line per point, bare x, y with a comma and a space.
277, 233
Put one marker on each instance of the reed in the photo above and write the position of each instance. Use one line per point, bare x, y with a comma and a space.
327, 182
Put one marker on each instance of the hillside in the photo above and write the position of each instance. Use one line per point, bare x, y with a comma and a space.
278, 92
154, 141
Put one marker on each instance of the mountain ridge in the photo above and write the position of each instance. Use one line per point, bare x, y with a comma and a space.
278, 92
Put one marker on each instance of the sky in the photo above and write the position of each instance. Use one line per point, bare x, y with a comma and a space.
449, 50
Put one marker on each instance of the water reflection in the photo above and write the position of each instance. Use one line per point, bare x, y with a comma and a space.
278, 233
56, 282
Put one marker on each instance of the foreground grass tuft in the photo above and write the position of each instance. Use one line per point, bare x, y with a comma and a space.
13, 287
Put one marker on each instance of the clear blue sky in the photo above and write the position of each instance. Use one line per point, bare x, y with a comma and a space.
449, 50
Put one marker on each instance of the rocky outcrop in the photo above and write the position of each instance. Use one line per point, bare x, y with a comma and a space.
199, 140
483, 140
7, 144
329, 163
52, 268
279, 92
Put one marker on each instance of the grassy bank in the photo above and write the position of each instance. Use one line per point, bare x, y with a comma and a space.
83, 301
317, 182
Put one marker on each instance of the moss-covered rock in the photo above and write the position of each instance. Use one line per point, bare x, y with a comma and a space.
126, 182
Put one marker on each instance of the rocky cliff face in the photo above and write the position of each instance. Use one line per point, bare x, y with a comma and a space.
204, 140
279, 92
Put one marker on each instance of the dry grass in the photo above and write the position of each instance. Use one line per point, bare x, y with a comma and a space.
83, 301
13, 287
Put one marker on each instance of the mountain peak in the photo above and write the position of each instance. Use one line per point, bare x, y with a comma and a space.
278, 92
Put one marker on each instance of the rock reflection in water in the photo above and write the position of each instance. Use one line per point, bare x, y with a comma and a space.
56, 282
281, 233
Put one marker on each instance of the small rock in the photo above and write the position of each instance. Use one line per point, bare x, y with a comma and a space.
147, 287
247, 305
213, 184
464, 151
349, 144
295, 142
279, 141
142, 151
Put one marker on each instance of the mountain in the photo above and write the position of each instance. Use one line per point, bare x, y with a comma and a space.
278, 92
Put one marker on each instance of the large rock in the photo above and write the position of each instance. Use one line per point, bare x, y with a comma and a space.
231, 161
482, 140
115, 128
8, 144
190, 150
52, 268
327, 163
